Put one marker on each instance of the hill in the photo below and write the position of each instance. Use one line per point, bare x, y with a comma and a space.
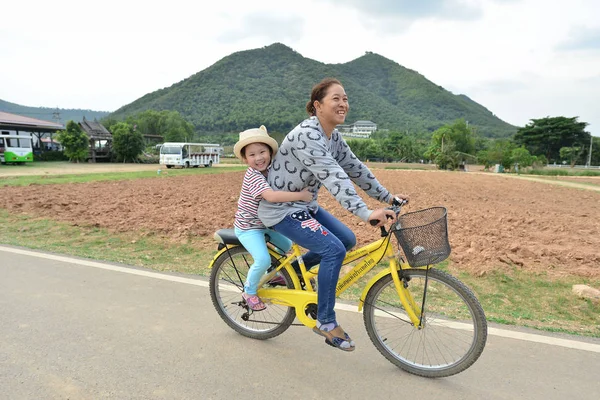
51, 114
271, 85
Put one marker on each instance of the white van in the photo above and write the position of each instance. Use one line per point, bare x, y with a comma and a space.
188, 155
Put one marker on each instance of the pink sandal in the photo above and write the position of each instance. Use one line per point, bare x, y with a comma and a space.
254, 302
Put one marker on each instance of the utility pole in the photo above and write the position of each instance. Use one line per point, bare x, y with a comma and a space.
56, 116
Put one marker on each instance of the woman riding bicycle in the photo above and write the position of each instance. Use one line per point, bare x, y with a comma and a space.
314, 154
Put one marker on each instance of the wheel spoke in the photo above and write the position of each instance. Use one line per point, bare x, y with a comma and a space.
453, 330
226, 286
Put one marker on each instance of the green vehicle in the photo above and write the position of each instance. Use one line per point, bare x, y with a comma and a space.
15, 149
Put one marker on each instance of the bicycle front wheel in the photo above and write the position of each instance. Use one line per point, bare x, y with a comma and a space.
226, 286
453, 331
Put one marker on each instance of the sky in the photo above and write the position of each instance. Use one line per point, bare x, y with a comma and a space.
521, 59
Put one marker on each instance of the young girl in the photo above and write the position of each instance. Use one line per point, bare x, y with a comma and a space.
256, 148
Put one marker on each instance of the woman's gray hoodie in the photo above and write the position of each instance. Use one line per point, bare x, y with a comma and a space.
307, 158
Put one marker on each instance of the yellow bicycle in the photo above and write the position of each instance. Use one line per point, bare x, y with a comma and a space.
422, 319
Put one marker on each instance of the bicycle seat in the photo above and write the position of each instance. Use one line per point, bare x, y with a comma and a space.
226, 236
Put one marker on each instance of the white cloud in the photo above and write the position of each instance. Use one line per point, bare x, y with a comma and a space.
405, 9
521, 59
274, 28
582, 38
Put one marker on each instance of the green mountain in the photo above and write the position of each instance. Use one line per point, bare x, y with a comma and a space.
61, 115
271, 86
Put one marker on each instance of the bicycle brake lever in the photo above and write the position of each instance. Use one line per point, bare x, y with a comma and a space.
399, 202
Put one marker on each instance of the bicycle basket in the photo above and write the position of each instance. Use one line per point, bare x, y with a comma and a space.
423, 236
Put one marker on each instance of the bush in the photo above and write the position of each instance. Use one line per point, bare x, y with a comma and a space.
148, 159
50, 156
588, 172
564, 172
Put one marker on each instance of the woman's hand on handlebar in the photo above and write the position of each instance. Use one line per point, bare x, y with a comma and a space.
380, 216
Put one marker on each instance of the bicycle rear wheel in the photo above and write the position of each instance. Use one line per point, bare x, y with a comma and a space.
453, 332
226, 286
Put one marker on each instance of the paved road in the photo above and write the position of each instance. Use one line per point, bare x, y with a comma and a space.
76, 329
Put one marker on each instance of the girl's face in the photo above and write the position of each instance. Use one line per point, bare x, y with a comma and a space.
332, 110
257, 156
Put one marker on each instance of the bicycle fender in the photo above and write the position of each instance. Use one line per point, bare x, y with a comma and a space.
223, 250
372, 282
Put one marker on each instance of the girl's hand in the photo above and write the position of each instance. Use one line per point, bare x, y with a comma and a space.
306, 195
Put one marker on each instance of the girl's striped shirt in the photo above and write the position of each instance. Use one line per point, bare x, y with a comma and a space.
253, 186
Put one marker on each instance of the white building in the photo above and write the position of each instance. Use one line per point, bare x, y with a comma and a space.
360, 129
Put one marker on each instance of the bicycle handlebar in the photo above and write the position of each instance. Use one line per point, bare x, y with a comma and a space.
396, 206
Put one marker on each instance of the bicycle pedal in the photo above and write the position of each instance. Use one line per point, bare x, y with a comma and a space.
311, 311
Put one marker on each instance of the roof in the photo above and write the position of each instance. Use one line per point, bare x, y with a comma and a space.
365, 123
19, 122
94, 129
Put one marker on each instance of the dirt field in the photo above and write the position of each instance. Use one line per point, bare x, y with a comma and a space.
494, 221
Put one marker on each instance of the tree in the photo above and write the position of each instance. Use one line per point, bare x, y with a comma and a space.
451, 145
366, 149
168, 124
595, 148
74, 141
521, 158
548, 135
497, 152
128, 143
177, 129
571, 154
398, 146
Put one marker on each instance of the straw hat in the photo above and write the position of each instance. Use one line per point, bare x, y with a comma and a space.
255, 135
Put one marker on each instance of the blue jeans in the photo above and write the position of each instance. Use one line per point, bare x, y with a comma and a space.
254, 241
327, 240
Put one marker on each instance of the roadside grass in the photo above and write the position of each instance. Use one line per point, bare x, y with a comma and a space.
511, 297
555, 179
141, 249
564, 172
231, 160
536, 300
24, 180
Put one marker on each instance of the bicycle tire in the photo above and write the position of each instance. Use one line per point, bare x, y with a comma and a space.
454, 332
226, 286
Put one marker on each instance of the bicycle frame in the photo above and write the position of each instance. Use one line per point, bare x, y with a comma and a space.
439, 332
373, 253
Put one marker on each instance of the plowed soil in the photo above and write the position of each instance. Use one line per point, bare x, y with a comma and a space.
494, 222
